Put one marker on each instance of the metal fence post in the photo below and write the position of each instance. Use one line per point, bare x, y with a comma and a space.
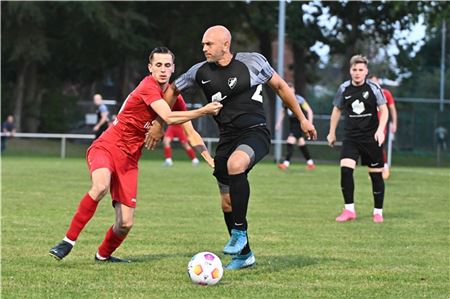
63, 147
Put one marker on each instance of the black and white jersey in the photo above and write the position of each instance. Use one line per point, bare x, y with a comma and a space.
359, 106
237, 86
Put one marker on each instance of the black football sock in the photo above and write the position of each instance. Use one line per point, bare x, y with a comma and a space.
239, 193
228, 217
229, 222
305, 152
377, 189
347, 184
290, 150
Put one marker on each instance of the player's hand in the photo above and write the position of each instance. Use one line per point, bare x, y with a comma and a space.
95, 129
393, 128
309, 129
212, 108
379, 137
210, 162
154, 134
331, 138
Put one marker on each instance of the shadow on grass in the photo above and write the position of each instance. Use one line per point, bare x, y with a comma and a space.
285, 262
160, 256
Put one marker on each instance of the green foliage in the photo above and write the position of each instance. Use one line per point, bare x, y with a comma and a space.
76, 46
301, 251
60, 112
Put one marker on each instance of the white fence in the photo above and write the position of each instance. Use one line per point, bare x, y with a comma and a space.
208, 140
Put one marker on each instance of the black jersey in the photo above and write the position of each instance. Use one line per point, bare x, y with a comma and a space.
359, 106
237, 86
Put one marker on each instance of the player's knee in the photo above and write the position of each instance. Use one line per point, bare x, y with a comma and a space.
99, 190
301, 141
125, 225
291, 140
236, 166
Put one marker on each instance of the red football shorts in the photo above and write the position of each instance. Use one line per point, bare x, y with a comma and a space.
124, 171
176, 131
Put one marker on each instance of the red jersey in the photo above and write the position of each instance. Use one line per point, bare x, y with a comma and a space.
180, 104
389, 98
135, 117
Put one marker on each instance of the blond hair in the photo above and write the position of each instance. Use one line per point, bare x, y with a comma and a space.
359, 59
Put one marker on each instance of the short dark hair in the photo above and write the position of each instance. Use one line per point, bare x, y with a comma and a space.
160, 50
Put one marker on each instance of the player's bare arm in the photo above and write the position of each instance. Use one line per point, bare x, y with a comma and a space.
280, 120
196, 141
393, 115
177, 117
288, 97
309, 111
156, 132
384, 114
334, 120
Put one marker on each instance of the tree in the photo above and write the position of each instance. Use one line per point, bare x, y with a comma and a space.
23, 26
303, 33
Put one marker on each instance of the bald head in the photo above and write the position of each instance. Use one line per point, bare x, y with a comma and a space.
97, 99
216, 44
218, 32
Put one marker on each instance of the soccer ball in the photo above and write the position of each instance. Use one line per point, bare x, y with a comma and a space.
205, 268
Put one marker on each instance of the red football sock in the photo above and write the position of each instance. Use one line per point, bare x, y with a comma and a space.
110, 243
191, 153
167, 152
84, 213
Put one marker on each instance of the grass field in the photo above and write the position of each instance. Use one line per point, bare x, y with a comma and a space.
301, 252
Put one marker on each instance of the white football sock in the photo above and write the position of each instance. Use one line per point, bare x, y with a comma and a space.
350, 207
69, 241
100, 257
378, 211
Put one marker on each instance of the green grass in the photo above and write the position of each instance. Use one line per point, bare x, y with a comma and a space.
301, 252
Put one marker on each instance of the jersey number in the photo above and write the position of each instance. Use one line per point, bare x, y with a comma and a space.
257, 95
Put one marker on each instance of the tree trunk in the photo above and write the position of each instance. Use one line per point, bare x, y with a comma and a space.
31, 110
19, 95
125, 77
265, 45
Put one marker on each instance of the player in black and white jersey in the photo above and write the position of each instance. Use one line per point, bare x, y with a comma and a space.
360, 100
295, 134
235, 80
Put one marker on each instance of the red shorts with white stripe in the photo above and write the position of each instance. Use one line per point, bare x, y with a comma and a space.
176, 131
124, 171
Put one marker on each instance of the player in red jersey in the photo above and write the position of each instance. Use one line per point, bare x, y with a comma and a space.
178, 132
392, 125
172, 132
113, 158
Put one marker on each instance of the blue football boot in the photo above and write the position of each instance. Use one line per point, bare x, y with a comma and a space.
241, 261
236, 243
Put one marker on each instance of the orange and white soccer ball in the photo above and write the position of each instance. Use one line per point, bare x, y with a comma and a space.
205, 268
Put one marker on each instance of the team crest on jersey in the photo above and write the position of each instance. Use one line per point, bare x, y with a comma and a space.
365, 94
232, 82
358, 107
